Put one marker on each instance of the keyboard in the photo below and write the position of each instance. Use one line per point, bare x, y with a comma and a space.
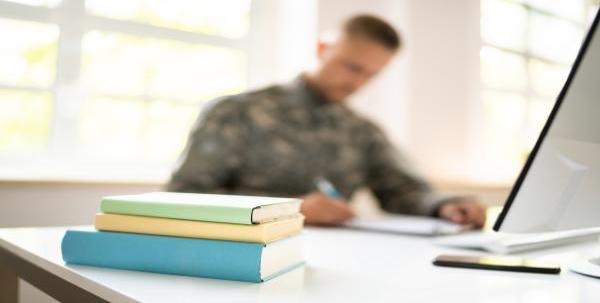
501, 243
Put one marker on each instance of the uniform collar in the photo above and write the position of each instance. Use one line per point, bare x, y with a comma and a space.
308, 94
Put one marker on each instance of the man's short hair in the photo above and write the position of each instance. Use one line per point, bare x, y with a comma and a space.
372, 28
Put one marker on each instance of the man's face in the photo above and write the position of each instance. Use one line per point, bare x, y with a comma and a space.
347, 65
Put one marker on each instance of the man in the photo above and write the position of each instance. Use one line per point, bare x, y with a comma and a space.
281, 140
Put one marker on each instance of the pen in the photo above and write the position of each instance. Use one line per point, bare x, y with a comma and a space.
324, 186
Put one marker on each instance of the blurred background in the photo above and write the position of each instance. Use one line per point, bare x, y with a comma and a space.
98, 96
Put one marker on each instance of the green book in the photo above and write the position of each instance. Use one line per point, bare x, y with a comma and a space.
203, 207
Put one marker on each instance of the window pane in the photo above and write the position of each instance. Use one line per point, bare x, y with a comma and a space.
111, 128
136, 66
496, 28
120, 128
168, 126
592, 11
539, 109
554, 39
505, 116
25, 119
28, 53
547, 79
501, 69
228, 18
574, 10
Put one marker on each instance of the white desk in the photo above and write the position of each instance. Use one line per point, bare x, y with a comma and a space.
343, 266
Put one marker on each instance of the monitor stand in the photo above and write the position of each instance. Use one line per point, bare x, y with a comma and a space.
590, 267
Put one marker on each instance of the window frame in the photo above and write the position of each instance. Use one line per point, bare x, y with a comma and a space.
57, 160
528, 93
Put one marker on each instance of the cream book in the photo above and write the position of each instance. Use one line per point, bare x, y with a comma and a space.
257, 233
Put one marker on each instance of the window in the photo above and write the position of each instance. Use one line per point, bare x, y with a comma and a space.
113, 83
147, 107
526, 55
26, 78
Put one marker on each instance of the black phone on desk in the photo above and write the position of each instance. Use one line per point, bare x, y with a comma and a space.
503, 263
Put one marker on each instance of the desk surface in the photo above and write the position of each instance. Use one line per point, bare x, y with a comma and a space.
342, 265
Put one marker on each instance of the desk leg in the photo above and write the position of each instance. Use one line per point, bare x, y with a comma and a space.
9, 285
60, 289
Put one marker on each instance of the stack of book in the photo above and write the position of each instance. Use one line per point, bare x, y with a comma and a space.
242, 238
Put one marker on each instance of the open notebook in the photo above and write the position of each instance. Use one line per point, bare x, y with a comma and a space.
408, 225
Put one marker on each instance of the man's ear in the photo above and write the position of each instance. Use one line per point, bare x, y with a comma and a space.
322, 47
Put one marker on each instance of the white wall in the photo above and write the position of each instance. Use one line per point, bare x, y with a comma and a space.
57, 203
445, 100
283, 40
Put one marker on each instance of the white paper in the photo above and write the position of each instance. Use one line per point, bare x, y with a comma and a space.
403, 224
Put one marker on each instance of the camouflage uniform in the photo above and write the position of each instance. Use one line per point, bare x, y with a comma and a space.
277, 141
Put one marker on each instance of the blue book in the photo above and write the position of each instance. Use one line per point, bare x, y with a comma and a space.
241, 261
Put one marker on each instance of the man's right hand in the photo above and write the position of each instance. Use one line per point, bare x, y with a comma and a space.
319, 209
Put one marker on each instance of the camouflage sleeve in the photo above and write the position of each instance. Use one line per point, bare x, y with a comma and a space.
213, 151
397, 189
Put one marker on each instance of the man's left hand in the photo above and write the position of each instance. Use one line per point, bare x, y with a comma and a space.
463, 210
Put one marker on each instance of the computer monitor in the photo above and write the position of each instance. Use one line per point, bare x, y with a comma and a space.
559, 186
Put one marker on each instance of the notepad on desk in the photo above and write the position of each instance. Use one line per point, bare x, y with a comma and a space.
409, 225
